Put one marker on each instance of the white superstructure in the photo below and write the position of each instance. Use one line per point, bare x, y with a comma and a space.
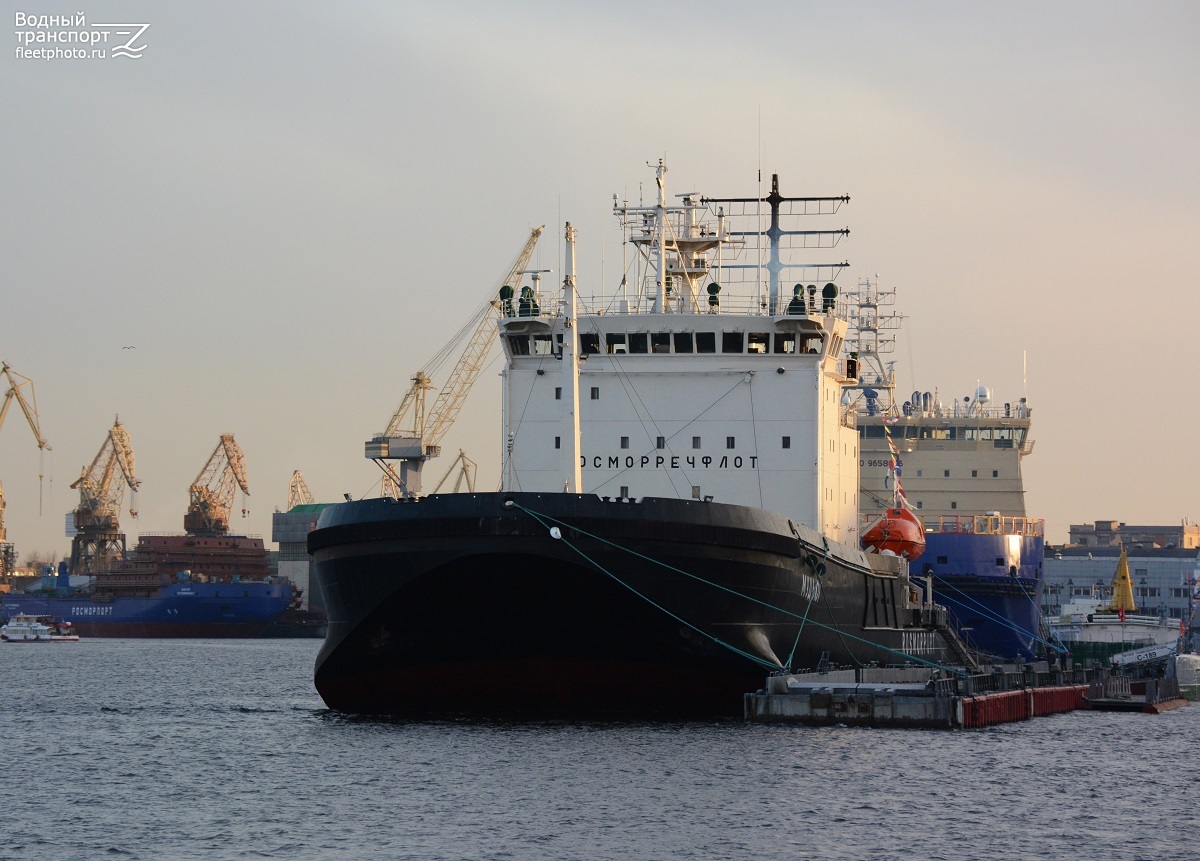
957, 459
702, 378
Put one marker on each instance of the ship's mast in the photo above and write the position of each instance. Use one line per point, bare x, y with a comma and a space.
776, 235
660, 227
570, 369
874, 323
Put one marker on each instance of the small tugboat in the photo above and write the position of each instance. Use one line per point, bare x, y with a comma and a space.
37, 629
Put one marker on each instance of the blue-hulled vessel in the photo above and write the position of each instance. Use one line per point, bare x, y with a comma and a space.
170, 586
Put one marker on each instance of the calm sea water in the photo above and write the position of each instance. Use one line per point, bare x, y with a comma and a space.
146, 749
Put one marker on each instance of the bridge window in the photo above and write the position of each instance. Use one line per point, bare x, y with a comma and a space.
758, 342
732, 342
706, 342
518, 345
542, 345
683, 342
638, 342
660, 342
785, 342
589, 344
615, 342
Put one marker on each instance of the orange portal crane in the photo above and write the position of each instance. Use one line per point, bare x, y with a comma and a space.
16, 383
211, 494
98, 540
413, 434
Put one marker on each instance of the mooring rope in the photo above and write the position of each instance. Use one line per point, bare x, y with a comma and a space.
542, 519
975, 604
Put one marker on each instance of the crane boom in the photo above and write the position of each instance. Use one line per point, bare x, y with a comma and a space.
466, 472
450, 399
413, 434
298, 492
99, 494
98, 539
16, 382
211, 494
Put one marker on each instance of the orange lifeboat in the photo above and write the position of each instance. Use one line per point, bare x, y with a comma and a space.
896, 531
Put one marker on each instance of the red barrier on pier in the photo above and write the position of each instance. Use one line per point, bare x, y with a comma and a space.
1011, 706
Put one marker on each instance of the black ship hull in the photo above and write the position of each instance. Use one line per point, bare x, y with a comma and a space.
470, 603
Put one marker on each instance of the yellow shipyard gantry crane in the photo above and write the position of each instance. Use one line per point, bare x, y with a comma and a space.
413, 434
98, 540
211, 494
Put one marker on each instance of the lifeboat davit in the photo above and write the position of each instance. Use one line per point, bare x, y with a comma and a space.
896, 531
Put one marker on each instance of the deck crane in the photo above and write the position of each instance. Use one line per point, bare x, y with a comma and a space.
16, 382
298, 492
98, 538
211, 494
413, 434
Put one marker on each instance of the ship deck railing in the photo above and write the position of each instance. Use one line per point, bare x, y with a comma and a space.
984, 524
1019, 677
945, 412
545, 306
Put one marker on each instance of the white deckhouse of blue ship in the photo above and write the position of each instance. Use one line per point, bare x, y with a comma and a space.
684, 390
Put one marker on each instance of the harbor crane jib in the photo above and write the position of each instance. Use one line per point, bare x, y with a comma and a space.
211, 494
98, 539
17, 382
463, 470
298, 492
414, 433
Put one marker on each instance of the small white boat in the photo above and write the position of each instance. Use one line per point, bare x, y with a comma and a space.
40, 629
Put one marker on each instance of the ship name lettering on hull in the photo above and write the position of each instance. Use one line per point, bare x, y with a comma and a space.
630, 461
91, 611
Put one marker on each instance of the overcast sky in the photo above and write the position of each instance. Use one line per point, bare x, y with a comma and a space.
288, 208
